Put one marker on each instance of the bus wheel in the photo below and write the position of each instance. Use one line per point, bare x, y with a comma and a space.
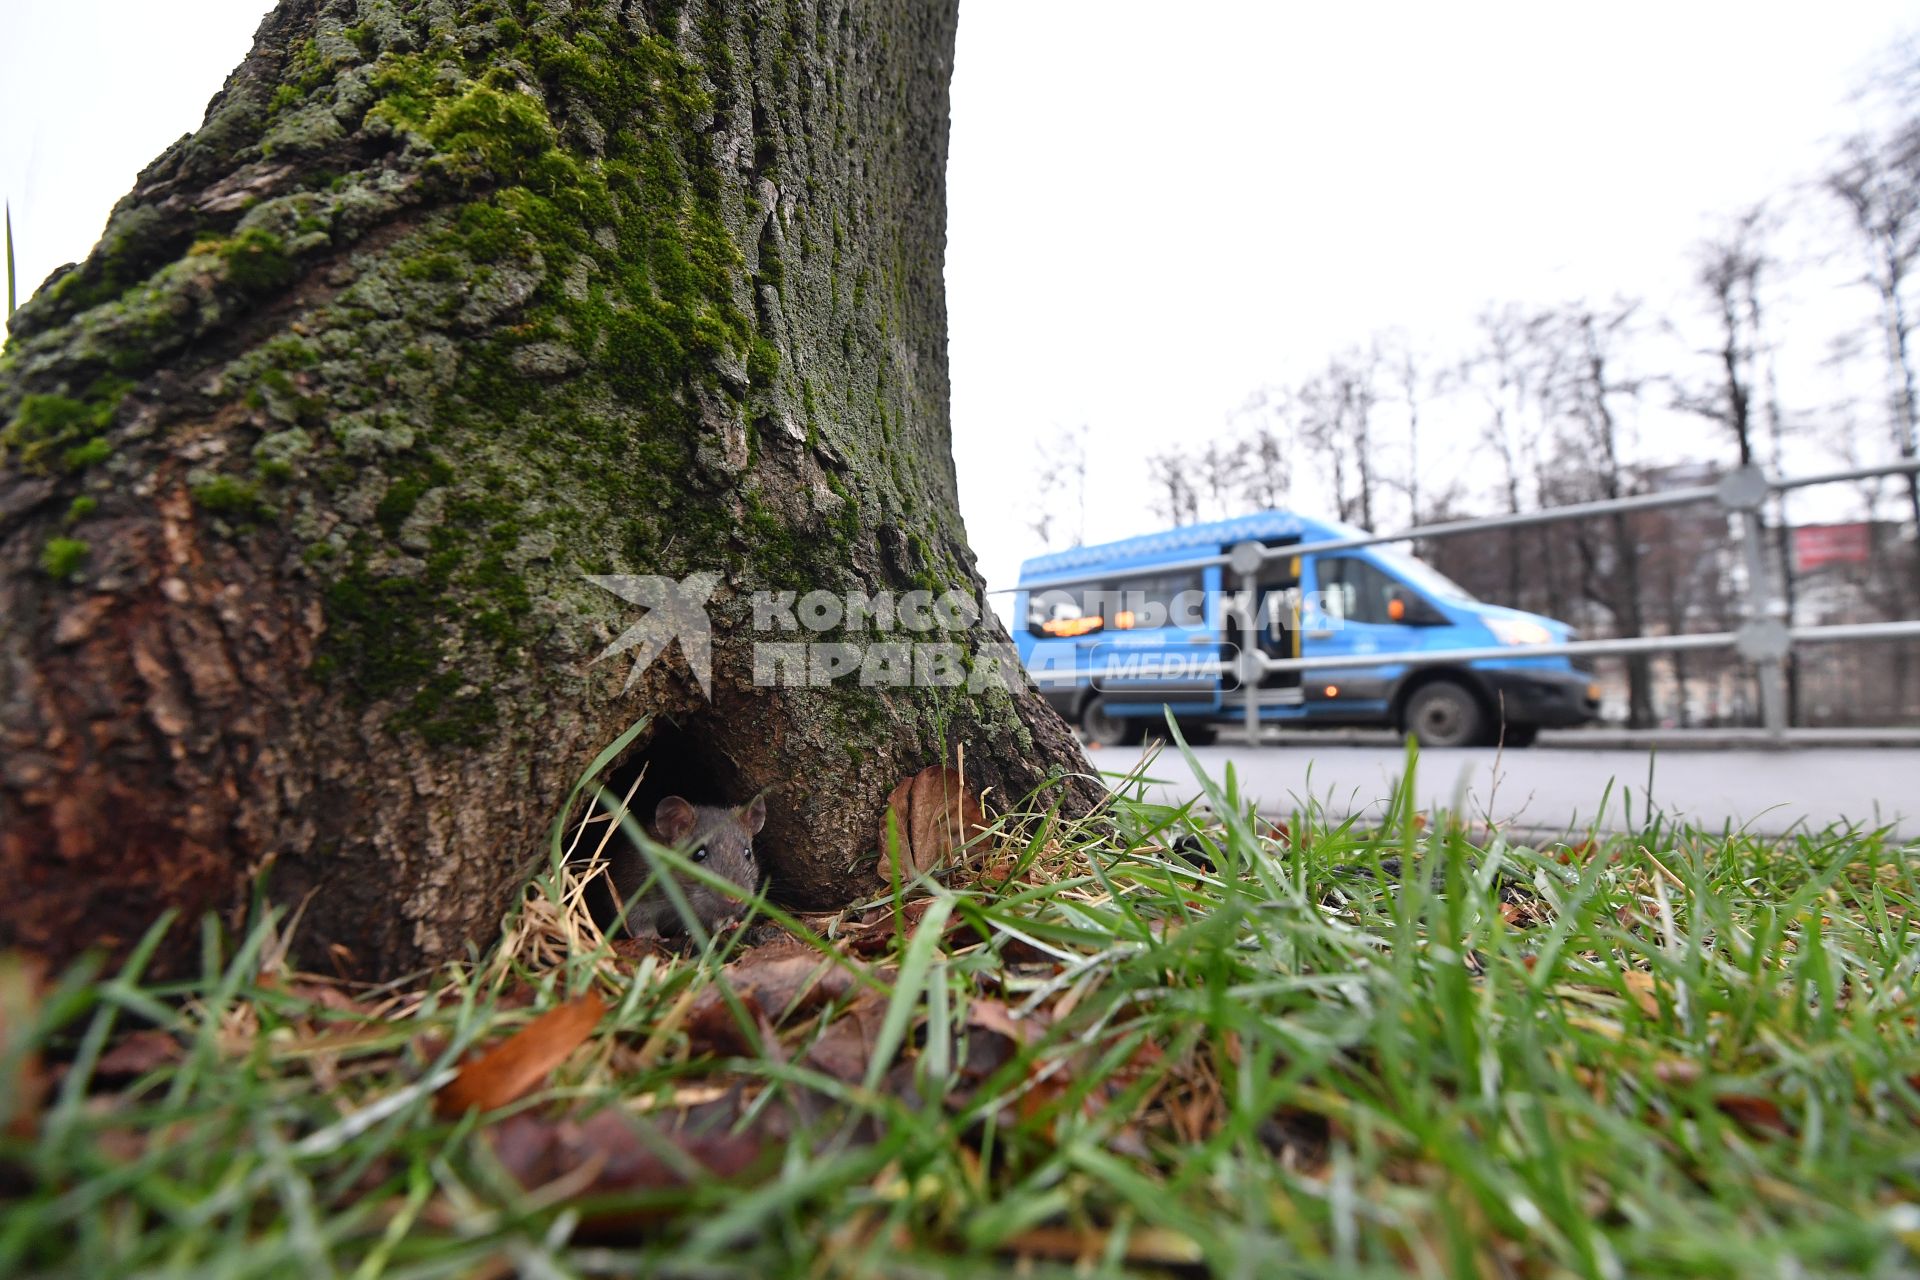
1109, 730
1445, 714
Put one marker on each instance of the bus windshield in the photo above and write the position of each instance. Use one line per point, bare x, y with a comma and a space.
1423, 576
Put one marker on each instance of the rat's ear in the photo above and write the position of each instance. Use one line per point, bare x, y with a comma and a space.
672, 820
754, 814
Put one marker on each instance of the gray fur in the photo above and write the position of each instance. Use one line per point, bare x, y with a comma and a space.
724, 836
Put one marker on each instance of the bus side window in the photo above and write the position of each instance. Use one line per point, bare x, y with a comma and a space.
1064, 612
1164, 600
1359, 592
1336, 593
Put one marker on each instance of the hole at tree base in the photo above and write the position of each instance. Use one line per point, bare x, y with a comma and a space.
678, 758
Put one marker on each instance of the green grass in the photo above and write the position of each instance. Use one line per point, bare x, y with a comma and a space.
1237, 1051
11, 294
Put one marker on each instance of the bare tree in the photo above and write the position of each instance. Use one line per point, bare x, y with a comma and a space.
1353, 376
1502, 371
1585, 381
1412, 382
1266, 422
1321, 432
1042, 518
1731, 266
1336, 423
1877, 182
1220, 471
1060, 472
1175, 499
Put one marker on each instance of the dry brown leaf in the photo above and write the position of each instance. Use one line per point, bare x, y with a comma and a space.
315, 989
845, 1047
1759, 1116
934, 814
23, 1078
1644, 988
137, 1053
1570, 854
1676, 1071
771, 983
993, 1015
611, 1153
882, 926
1157, 1245
520, 1064
995, 1038
334, 1040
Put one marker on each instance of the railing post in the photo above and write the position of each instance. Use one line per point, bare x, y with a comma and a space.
1245, 560
1764, 638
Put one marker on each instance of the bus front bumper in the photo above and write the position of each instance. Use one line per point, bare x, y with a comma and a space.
1550, 699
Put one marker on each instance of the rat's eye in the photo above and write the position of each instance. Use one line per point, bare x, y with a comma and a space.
700, 854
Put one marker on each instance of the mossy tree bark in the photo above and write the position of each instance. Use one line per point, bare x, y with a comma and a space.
449, 304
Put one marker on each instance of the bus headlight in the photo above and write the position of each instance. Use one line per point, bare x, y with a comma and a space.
1519, 631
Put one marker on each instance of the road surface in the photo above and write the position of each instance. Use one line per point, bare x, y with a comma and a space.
1768, 792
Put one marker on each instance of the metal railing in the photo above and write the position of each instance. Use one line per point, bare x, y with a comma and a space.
1764, 639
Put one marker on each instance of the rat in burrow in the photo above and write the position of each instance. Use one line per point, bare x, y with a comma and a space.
717, 838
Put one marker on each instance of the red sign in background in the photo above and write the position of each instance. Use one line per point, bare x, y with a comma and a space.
1815, 545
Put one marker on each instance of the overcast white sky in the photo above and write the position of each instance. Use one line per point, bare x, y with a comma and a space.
1157, 209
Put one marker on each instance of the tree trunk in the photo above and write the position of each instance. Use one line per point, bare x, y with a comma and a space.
1789, 592
446, 307
1626, 588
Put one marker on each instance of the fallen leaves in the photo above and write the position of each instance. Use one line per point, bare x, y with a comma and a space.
1572, 853
1074, 1036
993, 1015
845, 1047
23, 1079
316, 991
934, 815
137, 1054
771, 984
879, 930
519, 1065
1758, 1115
612, 1153
1160, 1246
1645, 990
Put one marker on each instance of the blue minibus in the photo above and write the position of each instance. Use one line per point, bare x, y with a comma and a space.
1118, 635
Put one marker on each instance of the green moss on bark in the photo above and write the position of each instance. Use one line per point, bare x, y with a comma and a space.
61, 558
45, 427
257, 261
238, 501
